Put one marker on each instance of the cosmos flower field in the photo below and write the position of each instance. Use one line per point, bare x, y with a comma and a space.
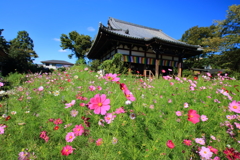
80, 114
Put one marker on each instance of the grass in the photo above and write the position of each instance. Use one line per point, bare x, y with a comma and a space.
144, 137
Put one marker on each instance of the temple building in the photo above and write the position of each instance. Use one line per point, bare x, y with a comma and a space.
143, 48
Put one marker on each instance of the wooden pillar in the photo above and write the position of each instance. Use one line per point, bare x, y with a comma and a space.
130, 63
161, 64
157, 68
180, 66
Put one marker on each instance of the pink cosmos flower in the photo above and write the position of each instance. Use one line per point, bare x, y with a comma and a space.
170, 101
214, 138
78, 130
109, 117
70, 104
111, 77
171, 83
70, 137
185, 105
67, 150
208, 74
170, 144
82, 104
101, 122
163, 71
129, 95
23, 155
92, 88
1, 84
99, 104
193, 116
120, 110
99, 142
40, 88
216, 158
58, 121
74, 113
205, 153
99, 88
200, 141
178, 113
214, 150
114, 140
234, 106
187, 142
237, 125
204, 118
2, 129
44, 136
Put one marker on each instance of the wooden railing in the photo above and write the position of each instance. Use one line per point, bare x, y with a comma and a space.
150, 74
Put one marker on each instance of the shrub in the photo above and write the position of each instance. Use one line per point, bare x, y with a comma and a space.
116, 65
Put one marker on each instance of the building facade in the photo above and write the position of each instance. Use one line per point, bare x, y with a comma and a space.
143, 48
54, 64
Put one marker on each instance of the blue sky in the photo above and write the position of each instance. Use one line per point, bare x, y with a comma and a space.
46, 20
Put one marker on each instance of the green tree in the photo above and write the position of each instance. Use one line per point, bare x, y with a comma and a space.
228, 43
79, 44
21, 52
4, 45
196, 36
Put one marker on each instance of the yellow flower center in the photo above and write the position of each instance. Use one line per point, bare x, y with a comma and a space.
110, 78
235, 107
66, 150
205, 152
100, 104
70, 137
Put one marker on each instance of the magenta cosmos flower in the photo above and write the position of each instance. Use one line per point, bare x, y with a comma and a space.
99, 142
67, 150
193, 116
187, 142
234, 106
99, 104
129, 95
170, 144
111, 77
78, 130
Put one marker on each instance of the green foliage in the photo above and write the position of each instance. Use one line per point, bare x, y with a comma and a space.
187, 73
115, 65
144, 137
15, 79
20, 54
80, 61
95, 65
61, 69
79, 44
4, 45
223, 37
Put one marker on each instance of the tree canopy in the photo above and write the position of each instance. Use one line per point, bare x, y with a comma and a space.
222, 37
79, 44
20, 53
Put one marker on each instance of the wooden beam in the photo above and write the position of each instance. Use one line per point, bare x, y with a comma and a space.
157, 68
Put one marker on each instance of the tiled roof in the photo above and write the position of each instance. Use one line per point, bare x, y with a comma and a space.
57, 62
135, 31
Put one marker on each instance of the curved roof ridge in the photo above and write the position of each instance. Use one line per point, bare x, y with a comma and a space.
171, 37
129, 23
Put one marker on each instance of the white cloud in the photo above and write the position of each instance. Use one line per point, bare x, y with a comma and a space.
61, 50
56, 39
91, 29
